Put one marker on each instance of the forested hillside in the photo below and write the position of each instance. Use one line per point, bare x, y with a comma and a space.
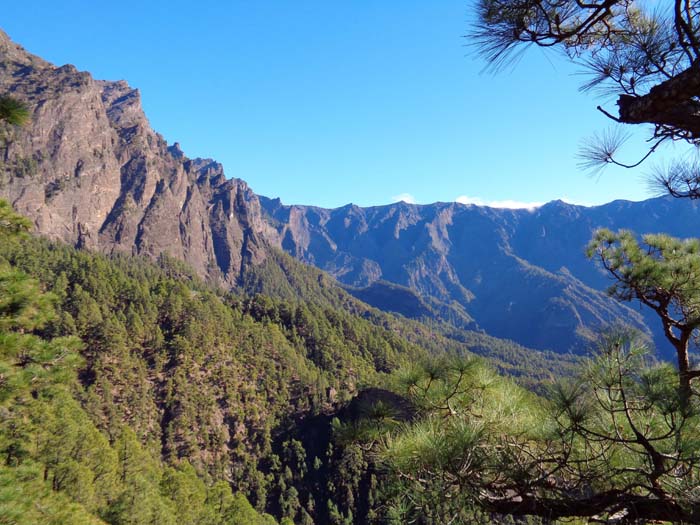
203, 386
78, 437
189, 373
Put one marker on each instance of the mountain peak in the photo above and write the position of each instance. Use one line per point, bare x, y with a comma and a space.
176, 151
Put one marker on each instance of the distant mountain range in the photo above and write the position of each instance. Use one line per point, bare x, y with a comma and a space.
518, 274
89, 171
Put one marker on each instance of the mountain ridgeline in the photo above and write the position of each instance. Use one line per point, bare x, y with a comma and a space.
89, 171
517, 274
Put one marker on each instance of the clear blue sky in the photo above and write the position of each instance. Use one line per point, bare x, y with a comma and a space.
328, 102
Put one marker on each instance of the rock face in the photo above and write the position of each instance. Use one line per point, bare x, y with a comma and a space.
89, 170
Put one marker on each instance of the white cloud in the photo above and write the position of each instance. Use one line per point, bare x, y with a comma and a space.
478, 201
510, 204
405, 197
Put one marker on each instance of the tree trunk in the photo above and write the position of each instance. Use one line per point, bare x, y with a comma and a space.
670, 103
684, 375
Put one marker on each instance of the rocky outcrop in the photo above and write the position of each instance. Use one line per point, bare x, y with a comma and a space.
89, 170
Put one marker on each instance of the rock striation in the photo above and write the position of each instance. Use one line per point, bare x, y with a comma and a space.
90, 171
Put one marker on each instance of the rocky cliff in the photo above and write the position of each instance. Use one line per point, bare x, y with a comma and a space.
90, 171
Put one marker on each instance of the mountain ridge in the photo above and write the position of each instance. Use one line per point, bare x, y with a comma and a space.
551, 237
488, 260
89, 171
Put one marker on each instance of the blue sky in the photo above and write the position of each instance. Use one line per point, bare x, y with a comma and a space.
329, 102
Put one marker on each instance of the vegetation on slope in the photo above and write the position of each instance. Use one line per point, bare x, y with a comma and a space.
616, 444
166, 388
286, 279
66, 455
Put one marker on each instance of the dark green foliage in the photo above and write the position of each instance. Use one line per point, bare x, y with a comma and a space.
56, 465
662, 274
615, 441
163, 367
13, 111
